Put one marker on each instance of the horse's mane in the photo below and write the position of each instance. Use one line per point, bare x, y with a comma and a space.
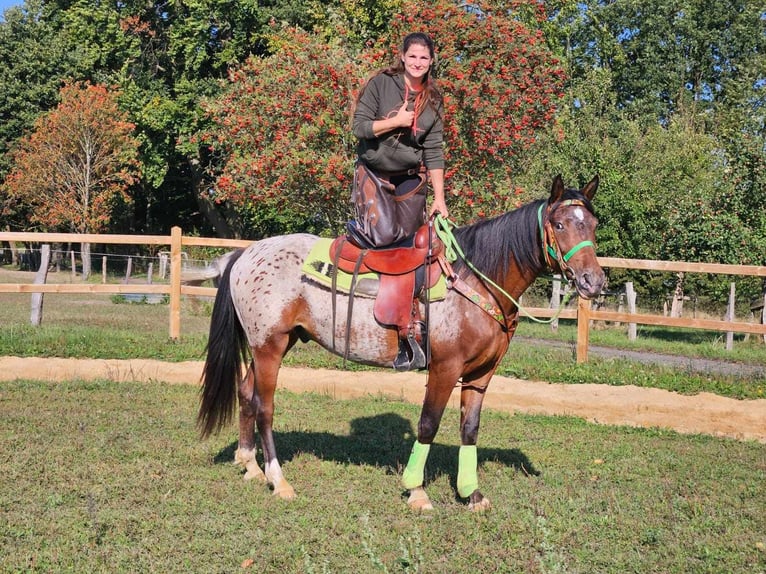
490, 244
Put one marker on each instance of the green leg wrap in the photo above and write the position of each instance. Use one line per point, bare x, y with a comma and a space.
412, 477
467, 480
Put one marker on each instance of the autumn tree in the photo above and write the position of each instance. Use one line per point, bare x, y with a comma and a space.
77, 164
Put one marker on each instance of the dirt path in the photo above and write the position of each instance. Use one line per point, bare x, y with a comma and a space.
633, 406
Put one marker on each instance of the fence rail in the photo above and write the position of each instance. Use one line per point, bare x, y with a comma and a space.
175, 289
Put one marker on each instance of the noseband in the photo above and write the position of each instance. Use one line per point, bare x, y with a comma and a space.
551, 250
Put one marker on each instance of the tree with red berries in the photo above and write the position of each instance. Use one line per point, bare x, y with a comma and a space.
282, 125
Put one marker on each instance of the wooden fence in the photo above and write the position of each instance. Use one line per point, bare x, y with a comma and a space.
583, 314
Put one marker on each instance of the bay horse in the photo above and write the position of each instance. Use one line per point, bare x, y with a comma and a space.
264, 305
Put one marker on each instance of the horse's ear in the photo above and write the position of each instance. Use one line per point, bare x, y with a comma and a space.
557, 190
590, 188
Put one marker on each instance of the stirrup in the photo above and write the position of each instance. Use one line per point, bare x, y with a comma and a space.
411, 357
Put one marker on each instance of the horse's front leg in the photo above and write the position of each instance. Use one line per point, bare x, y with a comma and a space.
438, 391
471, 398
246, 449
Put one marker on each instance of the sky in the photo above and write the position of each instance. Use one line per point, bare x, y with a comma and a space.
5, 4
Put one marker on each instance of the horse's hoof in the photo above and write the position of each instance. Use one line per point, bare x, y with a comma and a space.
419, 501
285, 492
481, 505
254, 472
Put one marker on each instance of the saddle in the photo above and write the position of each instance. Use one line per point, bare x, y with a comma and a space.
404, 273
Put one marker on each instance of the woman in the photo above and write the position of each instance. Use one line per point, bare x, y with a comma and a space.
398, 120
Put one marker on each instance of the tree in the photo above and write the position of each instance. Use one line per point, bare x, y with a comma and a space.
79, 162
282, 127
35, 61
665, 55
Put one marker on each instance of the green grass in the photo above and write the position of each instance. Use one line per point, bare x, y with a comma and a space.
111, 477
668, 340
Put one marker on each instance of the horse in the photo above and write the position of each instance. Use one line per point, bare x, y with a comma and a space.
265, 305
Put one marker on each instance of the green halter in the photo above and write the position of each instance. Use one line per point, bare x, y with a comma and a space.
552, 252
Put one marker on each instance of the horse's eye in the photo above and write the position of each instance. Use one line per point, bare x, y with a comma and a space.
559, 226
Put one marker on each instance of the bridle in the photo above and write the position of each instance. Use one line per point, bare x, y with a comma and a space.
551, 249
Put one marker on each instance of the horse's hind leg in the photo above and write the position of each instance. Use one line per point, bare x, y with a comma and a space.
246, 451
267, 359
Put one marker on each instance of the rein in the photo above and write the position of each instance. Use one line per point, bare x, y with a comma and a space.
452, 251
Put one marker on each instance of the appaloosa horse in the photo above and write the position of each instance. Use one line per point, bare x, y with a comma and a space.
265, 305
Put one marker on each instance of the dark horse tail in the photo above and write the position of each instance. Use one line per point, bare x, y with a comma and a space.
226, 350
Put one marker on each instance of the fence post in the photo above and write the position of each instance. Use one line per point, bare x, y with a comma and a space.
40, 278
175, 282
583, 329
763, 315
630, 295
555, 300
128, 271
730, 315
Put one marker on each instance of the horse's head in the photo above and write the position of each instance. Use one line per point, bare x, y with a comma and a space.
568, 231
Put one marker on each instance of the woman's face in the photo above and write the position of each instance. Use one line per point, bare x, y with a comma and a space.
417, 60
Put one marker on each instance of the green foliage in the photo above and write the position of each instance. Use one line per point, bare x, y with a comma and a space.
669, 56
357, 22
664, 191
36, 59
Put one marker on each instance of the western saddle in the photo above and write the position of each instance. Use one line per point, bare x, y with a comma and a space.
405, 272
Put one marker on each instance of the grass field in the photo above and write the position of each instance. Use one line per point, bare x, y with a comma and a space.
111, 477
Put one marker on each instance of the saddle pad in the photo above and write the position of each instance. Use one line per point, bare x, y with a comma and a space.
318, 267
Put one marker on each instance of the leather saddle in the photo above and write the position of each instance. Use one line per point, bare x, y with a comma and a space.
404, 273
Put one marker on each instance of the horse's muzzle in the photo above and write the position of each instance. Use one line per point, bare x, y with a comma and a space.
589, 283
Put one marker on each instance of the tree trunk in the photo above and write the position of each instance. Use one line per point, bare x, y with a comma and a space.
14, 249
226, 224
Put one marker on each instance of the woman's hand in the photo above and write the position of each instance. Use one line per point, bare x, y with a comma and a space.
439, 206
403, 117
436, 177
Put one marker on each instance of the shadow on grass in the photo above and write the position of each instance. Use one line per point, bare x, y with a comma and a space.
382, 441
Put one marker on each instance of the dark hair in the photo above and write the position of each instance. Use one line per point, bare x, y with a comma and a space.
430, 94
